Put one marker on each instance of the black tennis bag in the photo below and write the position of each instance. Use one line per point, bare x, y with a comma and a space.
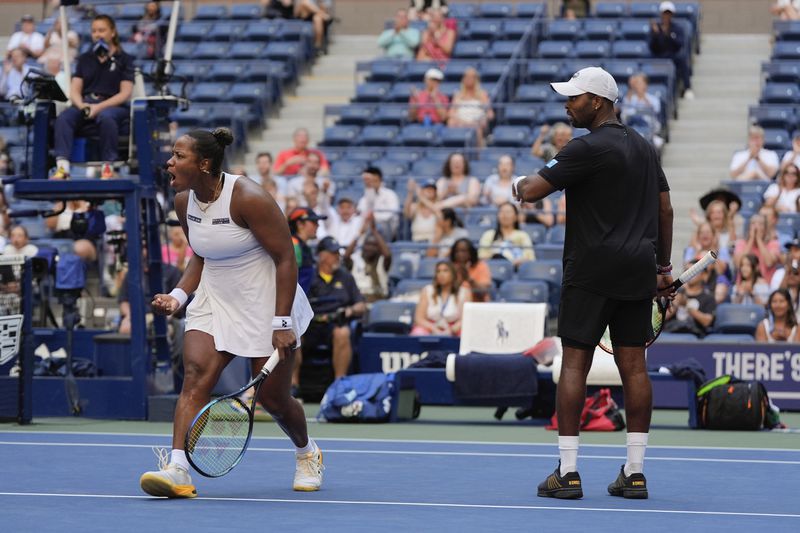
730, 403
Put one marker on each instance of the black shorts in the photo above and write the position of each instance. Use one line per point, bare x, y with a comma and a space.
583, 317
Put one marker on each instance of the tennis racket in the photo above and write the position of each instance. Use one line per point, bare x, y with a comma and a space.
219, 434
660, 305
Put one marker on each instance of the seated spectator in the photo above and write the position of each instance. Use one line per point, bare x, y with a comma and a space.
788, 276
19, 243
721, 217
437, 40
309, 10
303, 225
276, 186
309, 173
30, 40
449, 229
400, 41
381, 201
756, 162
760, 244
429, 106
102, 84
335, 299
14, 71
786, 9
176, 251
575, 9
149, 30
793, 155
640, 107
781, 322
470, 106
497, 187
750, 287
5, 220
61, 226
471, 272
666, 40
441, 304
290, 161
369, 259
52, 45
784, 193
692, 310
545, 148
456, 187
420, 208
419, 9
784, 234
313, 198
7, 167
703, 240
506, 240
344, 224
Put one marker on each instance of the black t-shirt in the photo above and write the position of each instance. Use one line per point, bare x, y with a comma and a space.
612, 180
104, 79
342, 291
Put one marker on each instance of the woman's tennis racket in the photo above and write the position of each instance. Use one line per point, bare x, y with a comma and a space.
221, 431
660, 305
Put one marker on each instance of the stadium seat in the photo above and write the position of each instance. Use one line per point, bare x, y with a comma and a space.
371, 92
295, 30
392, 115
527, 163
194, 31
611, 9
563, 30
417, 135
390, 317
502, 270
378, 135
483, 168
773, 116
261, 30
193, 71
727, 337
470, 49
128, 12
622, 69
389, 70
246, 11
647, 10
427, 168
284, 50
514, 136
256, 95
195, 116
630, 49
780, 93
519, 115
400, 92
227, 30
634, 29
555, 49
591, 49
211, 50
462, 11
524, 292
391, 168
211, 12
515, 28
426, 268
786, 50
782, 71
556, 234
738, 318
777, 139
552, 113
537, 232
550, 271
495, 10
402, 268
410, 286
486, 29
246, 50
458, 137
343, 135
533, 93
532, 9
356, 114
600, 30
545, 70
491, 70
547, 251
209, 92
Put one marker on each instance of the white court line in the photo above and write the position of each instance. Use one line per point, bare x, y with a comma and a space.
413, 504
408, 453
418, 441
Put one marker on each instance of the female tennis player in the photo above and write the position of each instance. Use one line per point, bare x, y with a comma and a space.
244, 277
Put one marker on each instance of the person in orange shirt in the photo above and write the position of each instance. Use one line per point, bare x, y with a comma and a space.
472, 272
290, 161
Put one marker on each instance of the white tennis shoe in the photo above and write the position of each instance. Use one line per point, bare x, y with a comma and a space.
308, 475
170, 480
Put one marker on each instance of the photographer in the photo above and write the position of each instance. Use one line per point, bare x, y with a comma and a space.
101, 87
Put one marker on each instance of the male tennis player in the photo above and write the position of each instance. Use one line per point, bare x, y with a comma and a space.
619, 228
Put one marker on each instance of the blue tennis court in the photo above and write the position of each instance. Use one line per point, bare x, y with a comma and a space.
89, 482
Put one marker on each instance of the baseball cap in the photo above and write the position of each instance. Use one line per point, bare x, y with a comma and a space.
434, 73
328, 244
428, 183
27, 18
305, 213
666, 6
589, 80
794, 243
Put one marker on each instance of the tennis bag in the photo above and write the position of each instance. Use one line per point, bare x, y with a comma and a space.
358, 398
600, 413
730, 403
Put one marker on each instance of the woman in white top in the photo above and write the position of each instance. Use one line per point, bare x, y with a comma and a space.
784, 193
781, 322
751, 287
244, 277
497, 187
456, 188
470, 107
441, 304
506, 239
420, 208
19, 244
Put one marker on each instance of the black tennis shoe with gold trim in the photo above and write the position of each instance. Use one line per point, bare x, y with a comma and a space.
632, 487
567, 487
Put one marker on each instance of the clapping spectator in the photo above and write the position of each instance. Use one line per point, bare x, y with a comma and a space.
705, 238
429, 106
793, 155
30, 40
784, 193
401, 40
449, 229
19, 243
756, 162
290, 161
470, 106
639, 107
380, 201
52, 44
471, 271
344, 224
420, 208
788, 276
437, 40
750, 287
14, 71
786, 9
721, 217
781, 322
441, 304
456, 187
497, 187
310, 173
761, 244
506, 240
547, 149
667, 40
692, 310
368, 258
419, 9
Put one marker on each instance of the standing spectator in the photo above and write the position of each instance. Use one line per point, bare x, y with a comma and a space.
420, 208
750, 287
290, 161
784, 193
52, 44
437, 40
429, 106
793, 155
470, 107
381, 201
760, 244
667, 40
692, 310
441, 304
149, 30
641, 107
418, 9
506, 240
14, 71
176, 251
310, 173
19, 243
344, 224
756, 162
303, 225
401, 40
781, 322
368, 258
456, 187
101, 87
30, 40
471, 271
497, 187
547, 149
448, 230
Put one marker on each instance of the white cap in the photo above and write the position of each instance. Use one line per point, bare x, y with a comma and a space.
434, 73
667, 6
589, 80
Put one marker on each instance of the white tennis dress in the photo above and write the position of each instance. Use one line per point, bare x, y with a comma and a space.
235, 301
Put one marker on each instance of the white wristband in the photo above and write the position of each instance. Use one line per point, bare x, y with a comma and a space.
514, 185
282, 323
180, 295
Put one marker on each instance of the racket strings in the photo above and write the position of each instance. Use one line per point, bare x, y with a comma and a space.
218, 438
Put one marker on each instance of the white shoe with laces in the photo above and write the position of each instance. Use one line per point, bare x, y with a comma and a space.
308, 475
170, 480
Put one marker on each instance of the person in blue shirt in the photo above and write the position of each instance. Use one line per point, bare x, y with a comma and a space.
400, 40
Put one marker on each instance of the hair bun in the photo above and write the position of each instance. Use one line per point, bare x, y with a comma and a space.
223, 136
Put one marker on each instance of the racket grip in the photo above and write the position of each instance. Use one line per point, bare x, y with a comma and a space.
271, 363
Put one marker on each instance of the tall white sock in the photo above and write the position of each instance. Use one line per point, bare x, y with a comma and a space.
637, 443
568, 452
179, 458
309, 447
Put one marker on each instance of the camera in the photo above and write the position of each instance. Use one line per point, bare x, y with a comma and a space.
100, 49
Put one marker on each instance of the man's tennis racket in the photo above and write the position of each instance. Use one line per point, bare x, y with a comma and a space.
660, 305
221, 431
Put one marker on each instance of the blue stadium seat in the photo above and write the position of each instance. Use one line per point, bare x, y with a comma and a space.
401, 92
788, 223
355, 114
738, 318
552, 113
556, 234
495, 10
546, 251
503, 49
256, 95
211, 12
611, 9
462, 11
391, 168
194, 31
545, 70
371, 92
246, 11
550, 271
227, 30
390, 317
195, 116
449, 88
225, 71
285, 51
513, 136
392, 115
648, 10
365, 154
563, 30
600, 29
341, 136
211, 50
782, 70
379, 135
426, 268
537, 233
530, 10
659, 71
128, 12
135, 50
402, 268
191, 70
209, 92
458, 137
527, 163
418, 135
786, 30
780, 93
427, 168
515, 28
386, 70
592, 49
403, 154
630, 49
486, 29
502, 270
415, 70
774, 116
524, 292
635, 29
345, 168
555, 49
295, 30
247, 50
533, 93
519, 115
727, 337
786, 50
777, 139
621, 69
491, 70
261, 30
470, 49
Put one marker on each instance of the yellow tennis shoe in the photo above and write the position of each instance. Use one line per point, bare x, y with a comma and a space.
308, 475
170, 481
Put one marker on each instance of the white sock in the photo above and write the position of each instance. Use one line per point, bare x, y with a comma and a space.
309, 447
63, 164
568, 452
637, 442
178, 457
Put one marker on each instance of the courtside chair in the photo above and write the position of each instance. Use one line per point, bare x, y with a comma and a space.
738, 318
